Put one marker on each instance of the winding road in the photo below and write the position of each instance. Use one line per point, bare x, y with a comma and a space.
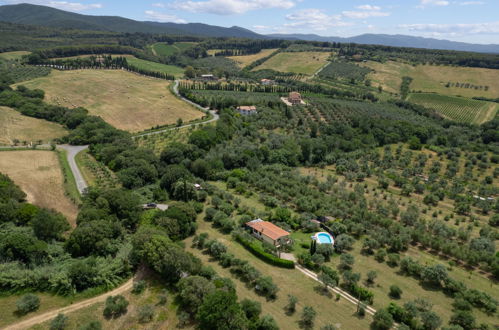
71, 308
175, 91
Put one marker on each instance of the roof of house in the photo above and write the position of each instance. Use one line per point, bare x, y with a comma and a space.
247, 107
294, 95
267, 228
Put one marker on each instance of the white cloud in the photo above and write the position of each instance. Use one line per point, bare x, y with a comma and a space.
314, 19
454, 29
162, 17
368, 7
364, 14
470, 3
64, 5
159, 5
366, 11
230, 7
434, 3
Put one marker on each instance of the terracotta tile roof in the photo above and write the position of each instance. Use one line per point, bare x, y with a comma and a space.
268, 229
247, 107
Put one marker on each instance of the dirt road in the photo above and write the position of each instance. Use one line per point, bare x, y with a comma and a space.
71, 308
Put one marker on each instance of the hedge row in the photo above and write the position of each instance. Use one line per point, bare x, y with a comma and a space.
267, 257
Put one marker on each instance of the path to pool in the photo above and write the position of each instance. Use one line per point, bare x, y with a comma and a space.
337, 290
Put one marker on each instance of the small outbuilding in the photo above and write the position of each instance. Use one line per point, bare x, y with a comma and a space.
294, 98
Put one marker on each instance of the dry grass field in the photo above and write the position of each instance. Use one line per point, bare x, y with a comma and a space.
39, 175
13, 55
433, 78
14, 126
125, 100
245, 60
297, 62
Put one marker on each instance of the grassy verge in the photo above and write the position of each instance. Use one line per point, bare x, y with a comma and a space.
69, 180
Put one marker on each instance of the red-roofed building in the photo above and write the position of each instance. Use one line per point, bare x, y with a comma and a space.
268, 232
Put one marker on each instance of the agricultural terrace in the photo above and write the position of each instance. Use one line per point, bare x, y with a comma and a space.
297, 62
13, 55
39, 175
164, 49
18, 129
447, 80
125, 100
158, 142
246, 60
457, 108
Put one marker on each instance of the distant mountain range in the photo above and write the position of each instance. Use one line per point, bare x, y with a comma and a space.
51, 17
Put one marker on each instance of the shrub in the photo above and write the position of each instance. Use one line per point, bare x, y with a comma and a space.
257, 250
115, 306
27, 303
139, 287
395, 292
146, 314
291, 305
266, 287
59, 322
92, 325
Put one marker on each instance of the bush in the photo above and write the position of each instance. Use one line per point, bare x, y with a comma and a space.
115, 306
59, 322
139, 287
92, 325
257, 250
27, 303
146, 314
395, 292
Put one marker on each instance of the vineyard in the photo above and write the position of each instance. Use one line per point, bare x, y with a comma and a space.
158, 142
223, 99
457, 108
331, 110
347, 71
95, 173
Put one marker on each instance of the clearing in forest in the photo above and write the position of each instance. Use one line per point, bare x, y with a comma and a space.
297, 62
246, 60
457, 108
442, 79
125, 100
38, 174
15, 126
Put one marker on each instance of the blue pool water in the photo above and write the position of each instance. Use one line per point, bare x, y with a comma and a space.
324, 238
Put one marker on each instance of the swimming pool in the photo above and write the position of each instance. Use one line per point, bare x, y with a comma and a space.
323, 238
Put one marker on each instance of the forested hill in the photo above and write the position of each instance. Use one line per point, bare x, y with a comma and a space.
50, 17
397, 40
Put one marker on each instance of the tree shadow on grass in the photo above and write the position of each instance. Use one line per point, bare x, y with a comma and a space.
321, 290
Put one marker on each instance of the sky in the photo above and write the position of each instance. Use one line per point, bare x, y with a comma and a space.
458, 20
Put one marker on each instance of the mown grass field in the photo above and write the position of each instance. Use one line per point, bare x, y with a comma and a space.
163, 49
246, 60
290, 281
434, 78
297, 62
387, 276
15, 126
125, 100
13, 55
390, 275
39, 175
457, 108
